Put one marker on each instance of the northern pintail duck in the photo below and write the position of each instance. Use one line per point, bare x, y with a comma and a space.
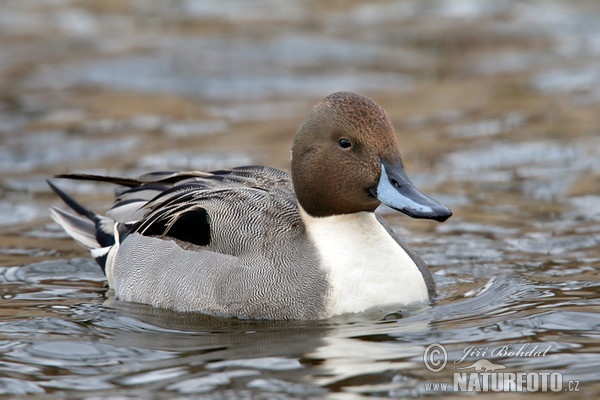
253, 242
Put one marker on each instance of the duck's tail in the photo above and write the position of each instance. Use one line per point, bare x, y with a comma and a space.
99, 234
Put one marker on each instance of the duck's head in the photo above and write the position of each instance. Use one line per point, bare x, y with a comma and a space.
345, 159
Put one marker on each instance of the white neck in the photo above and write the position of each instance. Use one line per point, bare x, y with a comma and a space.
365, 266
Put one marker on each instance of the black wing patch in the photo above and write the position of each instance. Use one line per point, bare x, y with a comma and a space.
189, 226
177, 217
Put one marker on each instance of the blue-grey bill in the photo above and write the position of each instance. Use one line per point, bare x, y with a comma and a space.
397, 191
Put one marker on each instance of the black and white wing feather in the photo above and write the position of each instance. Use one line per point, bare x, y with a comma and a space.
229, 211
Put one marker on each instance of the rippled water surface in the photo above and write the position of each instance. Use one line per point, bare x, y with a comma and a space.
496, 107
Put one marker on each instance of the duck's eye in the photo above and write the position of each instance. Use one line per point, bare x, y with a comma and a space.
344, 143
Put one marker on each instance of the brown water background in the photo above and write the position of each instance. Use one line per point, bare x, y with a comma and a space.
497, 109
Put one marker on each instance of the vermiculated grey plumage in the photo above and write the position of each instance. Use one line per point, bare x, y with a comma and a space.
247, 210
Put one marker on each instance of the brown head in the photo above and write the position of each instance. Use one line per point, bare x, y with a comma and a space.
340, 153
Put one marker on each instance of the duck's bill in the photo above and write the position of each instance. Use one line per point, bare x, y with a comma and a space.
397, 191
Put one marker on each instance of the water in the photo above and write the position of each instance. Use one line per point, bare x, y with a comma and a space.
496, 110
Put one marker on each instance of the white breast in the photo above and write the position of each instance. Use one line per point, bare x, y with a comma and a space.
365, 266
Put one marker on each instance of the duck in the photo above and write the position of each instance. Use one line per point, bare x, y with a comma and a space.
255, 242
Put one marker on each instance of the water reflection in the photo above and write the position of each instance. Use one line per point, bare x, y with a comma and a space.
496, 110
190, 353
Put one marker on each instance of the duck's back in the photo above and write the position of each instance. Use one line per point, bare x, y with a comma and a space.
226, 211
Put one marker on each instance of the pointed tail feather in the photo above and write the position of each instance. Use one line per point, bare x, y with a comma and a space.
100, 178
97, 233
74, 205
81, 229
